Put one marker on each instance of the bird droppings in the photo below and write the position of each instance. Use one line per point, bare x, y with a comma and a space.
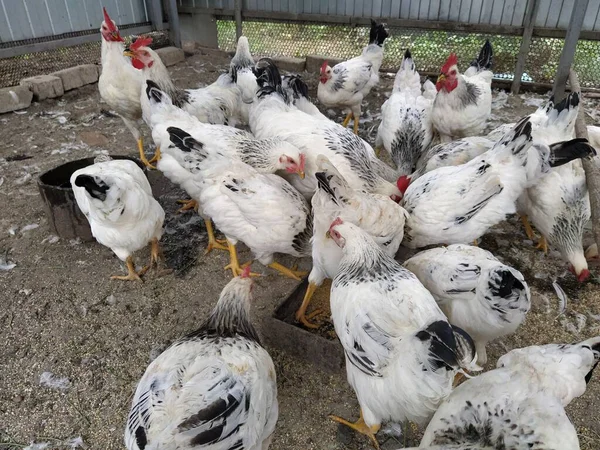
52, 239
31, 226
48, 379
111, 300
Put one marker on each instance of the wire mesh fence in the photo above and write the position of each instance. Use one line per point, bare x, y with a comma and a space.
430, 48
14, 69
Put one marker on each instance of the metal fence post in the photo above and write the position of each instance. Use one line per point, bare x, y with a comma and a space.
174, 30
568, 53
238, 19
528, 24
156, 15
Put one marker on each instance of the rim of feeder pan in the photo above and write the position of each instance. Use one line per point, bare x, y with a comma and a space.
284, 333
64, 216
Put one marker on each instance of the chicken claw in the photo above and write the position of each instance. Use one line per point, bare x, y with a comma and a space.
213, 242
301, 313
187, 205
132, 274
543, 245
140, 144
528, 229
361, 427
347, 120
288, 272
156, 256
156, 156
234, 264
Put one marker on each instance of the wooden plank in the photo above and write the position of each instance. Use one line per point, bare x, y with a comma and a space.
324, 7
454, 15
485, 16
376, 8
395, 9
554, 14
464, 11
591, 15
260, 5
565, 15
444, 13
475, 12
434, 9
386, 8
40, 23
414, 10
529, 21
19, 23
507, 12
405, 9
424, 9
6, 34
542, 14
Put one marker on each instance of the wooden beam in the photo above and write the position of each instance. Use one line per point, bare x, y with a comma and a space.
238, 19
529, 22
174, 29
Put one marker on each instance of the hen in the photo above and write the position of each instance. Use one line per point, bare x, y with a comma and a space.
405, 130
401, 353
212, 389
264, 155
261, 210
272, 114
349, 82
464, 102
377, 214
297, 91
519, 405
456, 205
120, 83
477, 292
117, 200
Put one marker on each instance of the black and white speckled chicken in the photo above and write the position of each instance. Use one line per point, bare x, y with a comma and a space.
401, 352
212, 389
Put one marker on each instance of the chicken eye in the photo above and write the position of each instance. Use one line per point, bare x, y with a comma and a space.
453, 72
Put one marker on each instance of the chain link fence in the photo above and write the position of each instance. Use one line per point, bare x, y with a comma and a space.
429, 48
14, 69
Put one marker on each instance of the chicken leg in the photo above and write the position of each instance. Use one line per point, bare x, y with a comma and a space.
301, 313
288, 272
528, 229
132, 275
361, 427
213, 242
355, 124
140, 144
156, 256
543, 245
187, 205
347, 120
234, 263
156, 156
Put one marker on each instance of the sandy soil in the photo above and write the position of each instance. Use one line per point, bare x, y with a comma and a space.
61, 314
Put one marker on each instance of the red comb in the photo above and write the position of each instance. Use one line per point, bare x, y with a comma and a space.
246, 272
403, 183
337, 221
109, 23
324, 66
142, 41
302, 161
451, 61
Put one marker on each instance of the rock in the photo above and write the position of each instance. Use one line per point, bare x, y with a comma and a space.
93, 138
171, 55
44, 86
314, 62
111, 300
189, 47
290, 64
213, 52
14, 98
75, 77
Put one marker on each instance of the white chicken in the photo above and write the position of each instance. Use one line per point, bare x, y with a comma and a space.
477, 292
265, 155
401, 353
558, 204
272, 114
405, 130
117, 200
464, 101
520, 404
120, 83
261, 210
349, 82
377, 214
212, 389
456, 205
297, 90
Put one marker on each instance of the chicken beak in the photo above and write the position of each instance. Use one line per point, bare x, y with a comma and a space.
129, 54
441, 78
301, 174
328, 235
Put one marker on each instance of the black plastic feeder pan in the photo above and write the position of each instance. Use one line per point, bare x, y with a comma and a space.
64, 216
284, 333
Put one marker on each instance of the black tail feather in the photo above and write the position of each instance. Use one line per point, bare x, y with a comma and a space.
267, 73
503, 283
486, 57
183, 140
298, 86
153, 91
465, 347
378, 33
323, 183
96, 189
569, 102
407, 54
567, 151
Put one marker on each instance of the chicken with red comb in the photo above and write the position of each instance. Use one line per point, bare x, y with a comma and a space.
464, 101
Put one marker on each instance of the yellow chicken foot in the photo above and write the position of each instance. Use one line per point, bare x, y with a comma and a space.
475, 244
140, 144
528, 230
290, 273
213, 242
377, 151
156, 156
543, 245
347, 120
355, 125
234, 263
187, 205
132, 274
458, 379
301, 313
361, 427
156, 256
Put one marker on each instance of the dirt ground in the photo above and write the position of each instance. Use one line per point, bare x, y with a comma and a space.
74, 343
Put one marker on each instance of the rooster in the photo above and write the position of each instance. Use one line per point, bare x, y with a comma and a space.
212, 389
401, 352
457, 204
405, 130
464, 102
120, 83
349, 82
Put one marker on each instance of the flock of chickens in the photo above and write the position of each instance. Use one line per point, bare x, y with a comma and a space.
300, 184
